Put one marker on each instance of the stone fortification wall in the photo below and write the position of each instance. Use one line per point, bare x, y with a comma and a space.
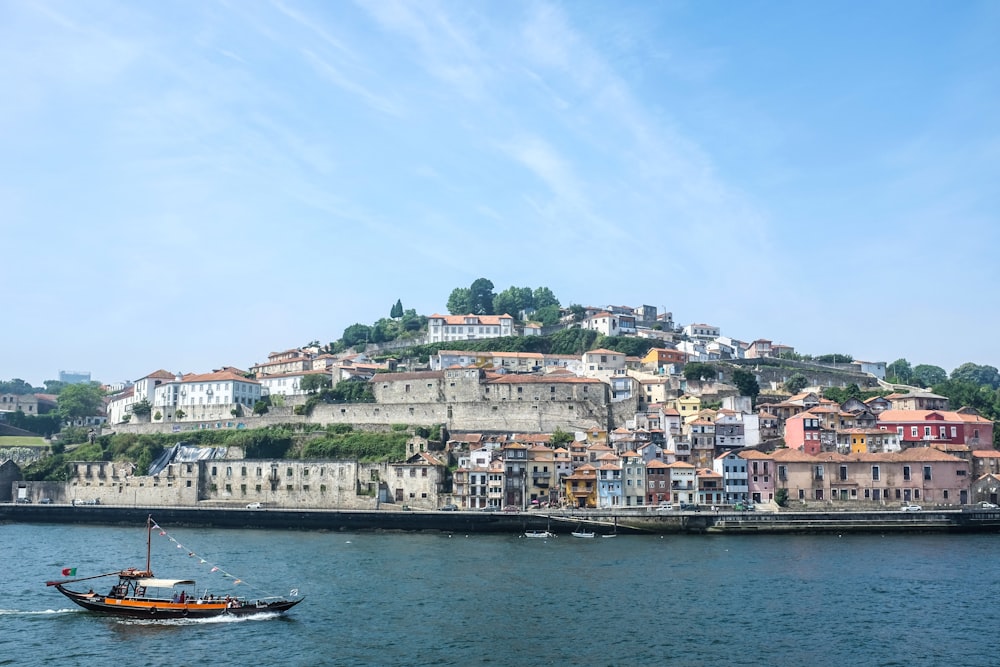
774, 372
312, 484
461, 399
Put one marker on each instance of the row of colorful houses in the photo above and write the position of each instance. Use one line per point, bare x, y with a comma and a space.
523, 475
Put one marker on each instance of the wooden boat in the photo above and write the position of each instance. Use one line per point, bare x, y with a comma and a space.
139, 594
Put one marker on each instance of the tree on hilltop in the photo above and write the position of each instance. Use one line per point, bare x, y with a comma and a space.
900, 371
927, 375
543, 297
513, 301
481, 297
746, 383
976, 374
460, 301
80, 400
397, 309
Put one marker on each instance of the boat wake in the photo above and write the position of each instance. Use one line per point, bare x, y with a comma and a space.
225, 618
44, 612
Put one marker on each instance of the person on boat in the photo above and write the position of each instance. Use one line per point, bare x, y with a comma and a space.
176, 598
183, 597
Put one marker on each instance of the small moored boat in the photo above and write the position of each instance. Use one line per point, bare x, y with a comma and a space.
539, 534
137, 593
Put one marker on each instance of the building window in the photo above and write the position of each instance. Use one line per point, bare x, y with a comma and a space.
876, 473
906, 473
927, 473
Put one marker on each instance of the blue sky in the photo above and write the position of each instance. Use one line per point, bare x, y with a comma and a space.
187, 185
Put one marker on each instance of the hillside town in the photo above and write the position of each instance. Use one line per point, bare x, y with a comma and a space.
530, 430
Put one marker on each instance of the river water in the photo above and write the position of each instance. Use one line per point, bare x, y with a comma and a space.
437, 599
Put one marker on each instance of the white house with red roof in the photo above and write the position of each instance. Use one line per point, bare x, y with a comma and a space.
206, 396
444, 328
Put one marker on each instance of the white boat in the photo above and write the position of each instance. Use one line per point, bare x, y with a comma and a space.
538, 534
585, 534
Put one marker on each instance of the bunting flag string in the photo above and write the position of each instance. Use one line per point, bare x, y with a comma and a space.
202, 561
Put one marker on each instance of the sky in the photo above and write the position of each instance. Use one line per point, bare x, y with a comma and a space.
187, 185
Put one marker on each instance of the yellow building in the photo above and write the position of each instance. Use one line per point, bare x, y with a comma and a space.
687, 406
581, 487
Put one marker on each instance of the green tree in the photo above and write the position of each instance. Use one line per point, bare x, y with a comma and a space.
560, 437
976, 374
900, 371
548, 316
142, 408
579, 312
928, 376
356, 334
54, 386
397, 309
17, 386
180, 414
781, 497
543, 297
513, 300
835, 358
460, 301
413, 322
314, 382
481, 297
697, 370
80, 400
746, 383
796, 383
260, 408
628, 345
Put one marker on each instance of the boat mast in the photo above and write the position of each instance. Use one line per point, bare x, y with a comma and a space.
149, 538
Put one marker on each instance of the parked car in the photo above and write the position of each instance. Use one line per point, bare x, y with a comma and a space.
513, 509
910, 508
449, 508
665, 507
255, 506
690, 507
23, 501
46, 501
987, 506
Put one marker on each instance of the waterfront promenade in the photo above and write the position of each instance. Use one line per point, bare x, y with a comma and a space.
637, 521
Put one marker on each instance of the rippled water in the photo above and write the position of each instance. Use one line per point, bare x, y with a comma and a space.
433, 599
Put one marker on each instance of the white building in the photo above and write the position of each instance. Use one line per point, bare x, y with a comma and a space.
208, 395
443, 328
703, 332
735, 481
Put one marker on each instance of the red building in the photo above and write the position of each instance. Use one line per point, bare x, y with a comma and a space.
920, 427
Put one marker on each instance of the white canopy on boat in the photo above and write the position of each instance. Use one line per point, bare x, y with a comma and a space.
164, 583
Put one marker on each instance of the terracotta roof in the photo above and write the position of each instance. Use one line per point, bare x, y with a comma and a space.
986, 453
223, 376
754, 454
602, 350
921, 416
480, 319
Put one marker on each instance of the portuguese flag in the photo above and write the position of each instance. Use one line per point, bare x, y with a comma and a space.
69, 572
